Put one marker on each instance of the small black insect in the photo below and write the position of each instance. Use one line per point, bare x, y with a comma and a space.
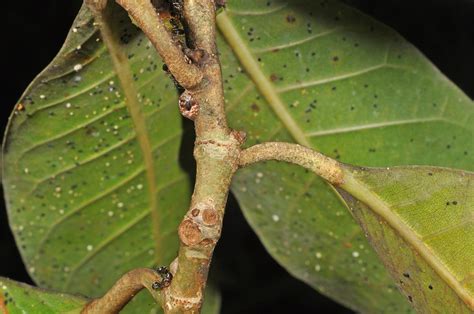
166, 278
176, 27
176, 7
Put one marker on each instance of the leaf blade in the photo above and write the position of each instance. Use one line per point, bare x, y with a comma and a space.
402, 197
349, 105
21, 298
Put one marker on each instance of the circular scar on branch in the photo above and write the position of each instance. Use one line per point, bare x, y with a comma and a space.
189, 232
188, 107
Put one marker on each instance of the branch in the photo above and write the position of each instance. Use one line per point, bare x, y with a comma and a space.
216, 152
125, 289
323, 166
201, 24
200, 16
145, 16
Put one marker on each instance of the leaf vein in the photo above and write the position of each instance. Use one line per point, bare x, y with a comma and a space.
261, 12
376, 125
261, 81
96, 198
116, 235
297, 42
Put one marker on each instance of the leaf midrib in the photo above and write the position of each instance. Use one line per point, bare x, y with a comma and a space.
118, 233
265, 87
100, 196
79, 126
363, 193
272, 94
122, 68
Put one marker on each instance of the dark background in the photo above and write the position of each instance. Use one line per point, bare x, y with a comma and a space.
33, 32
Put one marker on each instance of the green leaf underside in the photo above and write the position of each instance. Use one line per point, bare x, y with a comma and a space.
431, 259
16, 298
74, 177
326, 76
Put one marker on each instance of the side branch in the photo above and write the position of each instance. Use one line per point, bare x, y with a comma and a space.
145, 16
323, 166
201, 18
124, 290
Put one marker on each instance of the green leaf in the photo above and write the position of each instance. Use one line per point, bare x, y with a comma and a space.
432, 260
17, 297
75, 180
326, 76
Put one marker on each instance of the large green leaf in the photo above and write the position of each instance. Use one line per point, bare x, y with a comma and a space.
20, 298
326, 76
75, 180
432, 260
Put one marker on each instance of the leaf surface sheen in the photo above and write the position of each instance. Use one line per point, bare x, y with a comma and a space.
328, 77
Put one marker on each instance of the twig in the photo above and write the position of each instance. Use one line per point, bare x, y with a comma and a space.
201, 23
216, 152
200, 16
124, 290
145, 16
323, 166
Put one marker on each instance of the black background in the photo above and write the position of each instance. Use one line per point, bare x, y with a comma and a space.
33, 32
